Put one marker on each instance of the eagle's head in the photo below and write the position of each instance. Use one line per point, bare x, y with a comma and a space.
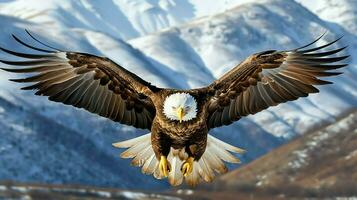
180, 107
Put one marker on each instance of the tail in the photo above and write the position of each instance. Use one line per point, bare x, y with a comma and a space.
211, 162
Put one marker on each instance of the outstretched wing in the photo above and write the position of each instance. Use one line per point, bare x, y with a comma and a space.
94, 83
268, 79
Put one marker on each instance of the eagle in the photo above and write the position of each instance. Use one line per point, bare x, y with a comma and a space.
178, 146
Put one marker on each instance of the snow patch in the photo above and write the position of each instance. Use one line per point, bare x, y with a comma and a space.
300, 159
262, 180
3, 188
133, 195
140, 195
351, 155
19, 128
301, 156
22, 189
185, 192
5, 148
104, 194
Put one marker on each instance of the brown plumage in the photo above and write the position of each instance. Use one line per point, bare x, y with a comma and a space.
101, 86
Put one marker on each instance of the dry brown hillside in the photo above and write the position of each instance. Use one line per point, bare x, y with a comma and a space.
319, 164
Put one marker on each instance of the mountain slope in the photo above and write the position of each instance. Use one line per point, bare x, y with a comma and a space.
321, 164
342, 12
34, 147
119, 18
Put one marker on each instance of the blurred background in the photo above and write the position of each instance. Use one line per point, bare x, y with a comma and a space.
305, 148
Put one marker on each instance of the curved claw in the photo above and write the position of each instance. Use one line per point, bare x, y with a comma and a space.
187, 166
164, 166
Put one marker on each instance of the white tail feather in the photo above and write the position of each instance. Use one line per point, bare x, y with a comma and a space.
175, 175
211, 162
150, 165
132, 142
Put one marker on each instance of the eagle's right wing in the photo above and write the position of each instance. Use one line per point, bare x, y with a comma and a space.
268, 79
94, 83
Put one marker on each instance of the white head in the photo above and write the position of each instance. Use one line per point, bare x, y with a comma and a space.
180, 107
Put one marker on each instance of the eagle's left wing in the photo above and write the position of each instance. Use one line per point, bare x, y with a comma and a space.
94, 83
268, 79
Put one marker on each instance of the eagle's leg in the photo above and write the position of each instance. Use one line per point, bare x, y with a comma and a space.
187, 166
195, 152
164, 166
161, 145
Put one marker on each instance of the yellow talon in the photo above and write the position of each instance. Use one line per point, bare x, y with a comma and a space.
187, 166
164, 166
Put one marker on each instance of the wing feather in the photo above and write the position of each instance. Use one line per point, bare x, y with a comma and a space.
269, 78
94, 83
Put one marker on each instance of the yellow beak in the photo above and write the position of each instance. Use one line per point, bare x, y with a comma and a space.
180, 113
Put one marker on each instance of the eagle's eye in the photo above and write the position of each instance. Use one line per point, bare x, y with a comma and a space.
187, 108
174, 108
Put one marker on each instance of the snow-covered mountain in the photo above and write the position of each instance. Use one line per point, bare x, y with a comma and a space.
118, 18
341, 12
137, 35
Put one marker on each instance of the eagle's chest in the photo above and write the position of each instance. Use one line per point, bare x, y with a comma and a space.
184, 131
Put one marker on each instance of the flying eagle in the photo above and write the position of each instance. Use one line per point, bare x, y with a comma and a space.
178, 145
